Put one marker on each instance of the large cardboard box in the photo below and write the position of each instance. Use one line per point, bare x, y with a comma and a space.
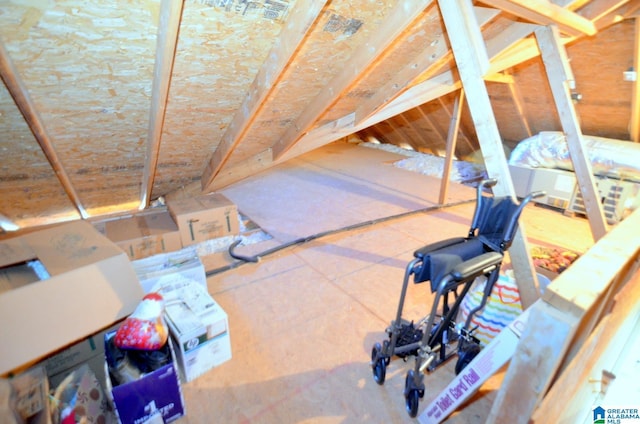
145, 235
166, 270
138, 400
202, 218
57, 286
200, 328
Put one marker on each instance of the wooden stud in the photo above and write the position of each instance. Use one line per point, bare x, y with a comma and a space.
470, 67
420, 142
461, 131
452, 138
544, 12
23, 101
167, 40
400, 18
562, 324
519, 104
560, 79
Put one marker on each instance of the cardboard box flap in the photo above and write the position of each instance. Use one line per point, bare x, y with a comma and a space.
140, 226
14, 251
91, 286
70, 246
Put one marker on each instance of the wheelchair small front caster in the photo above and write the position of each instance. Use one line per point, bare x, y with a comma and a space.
412, 394
378, 364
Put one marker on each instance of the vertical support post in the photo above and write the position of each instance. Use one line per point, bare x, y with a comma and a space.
556, 64
471, 58
452, 139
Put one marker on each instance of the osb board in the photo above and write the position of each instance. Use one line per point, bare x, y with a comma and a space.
88, 69
341, 28
28, 185
426, 30
221, 47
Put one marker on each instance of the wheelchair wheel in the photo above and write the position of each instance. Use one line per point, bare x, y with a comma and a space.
378, 364
466, 356
412, 395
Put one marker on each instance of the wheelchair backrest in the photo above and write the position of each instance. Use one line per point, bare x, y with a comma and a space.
496, 221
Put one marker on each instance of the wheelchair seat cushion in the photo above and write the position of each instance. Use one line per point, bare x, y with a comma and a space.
436, 264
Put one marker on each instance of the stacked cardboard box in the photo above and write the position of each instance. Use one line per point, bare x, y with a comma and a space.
145, 235
202, 218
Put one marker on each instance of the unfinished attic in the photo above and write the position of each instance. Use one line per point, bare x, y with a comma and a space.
294, 163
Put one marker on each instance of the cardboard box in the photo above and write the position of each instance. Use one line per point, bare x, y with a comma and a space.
138, 400
145, 234
31, 391
168, 270
202, 218
200, 329
72, 282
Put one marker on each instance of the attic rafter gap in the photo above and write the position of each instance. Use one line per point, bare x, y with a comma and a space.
21, 97
297, 27
402, 16
168, 32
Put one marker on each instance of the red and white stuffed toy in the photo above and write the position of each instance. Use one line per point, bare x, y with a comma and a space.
145, 328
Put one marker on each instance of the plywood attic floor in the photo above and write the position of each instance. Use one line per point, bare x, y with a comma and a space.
303, 320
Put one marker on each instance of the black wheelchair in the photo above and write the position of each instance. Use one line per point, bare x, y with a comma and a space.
451, 266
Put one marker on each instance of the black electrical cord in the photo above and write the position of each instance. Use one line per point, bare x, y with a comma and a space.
241, 259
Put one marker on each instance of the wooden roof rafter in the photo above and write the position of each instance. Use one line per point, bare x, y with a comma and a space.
27, 108
427, 64
401, 17
301, 20
167, 40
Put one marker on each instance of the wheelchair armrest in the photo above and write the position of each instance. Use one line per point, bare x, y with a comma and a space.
477, 266
423, 251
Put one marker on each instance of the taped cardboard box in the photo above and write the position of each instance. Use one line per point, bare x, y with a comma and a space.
202, 218
57, 286
145, 235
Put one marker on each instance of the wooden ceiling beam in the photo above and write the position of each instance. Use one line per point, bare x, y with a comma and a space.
296, 29
544, 12
23, 101
400, 18
166, 42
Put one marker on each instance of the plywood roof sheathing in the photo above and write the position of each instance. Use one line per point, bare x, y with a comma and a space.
300, 22
400, 18
21, 97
